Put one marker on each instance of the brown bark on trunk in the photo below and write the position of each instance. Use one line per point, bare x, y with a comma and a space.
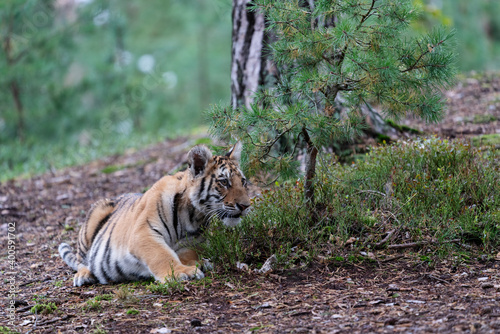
312, 153
248, 62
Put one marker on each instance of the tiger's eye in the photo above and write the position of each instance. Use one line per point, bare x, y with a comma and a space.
224, 182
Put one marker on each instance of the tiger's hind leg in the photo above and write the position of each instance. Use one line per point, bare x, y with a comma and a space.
84, 277
97, 217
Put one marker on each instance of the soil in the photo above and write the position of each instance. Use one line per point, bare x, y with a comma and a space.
473, 109
400, 294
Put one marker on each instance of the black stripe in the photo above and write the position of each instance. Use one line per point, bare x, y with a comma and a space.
63, 255
99, 226
161, 213
119, 269
95, 249
216, 197
83, 255
191, 212
202, 185
209, 187
105, 265
177, 197
82, 251
154, 229
82, 245
175, 217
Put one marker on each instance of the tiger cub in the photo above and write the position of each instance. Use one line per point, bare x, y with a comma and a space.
136, 236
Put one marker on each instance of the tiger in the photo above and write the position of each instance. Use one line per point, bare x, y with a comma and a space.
139, 236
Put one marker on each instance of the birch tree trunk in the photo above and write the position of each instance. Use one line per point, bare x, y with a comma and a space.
250, 65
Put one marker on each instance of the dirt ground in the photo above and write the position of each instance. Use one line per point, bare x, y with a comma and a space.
399, 294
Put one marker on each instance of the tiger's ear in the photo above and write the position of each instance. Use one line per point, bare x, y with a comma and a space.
198, 159
235, 152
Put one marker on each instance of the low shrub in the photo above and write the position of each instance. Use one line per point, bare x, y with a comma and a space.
438, 193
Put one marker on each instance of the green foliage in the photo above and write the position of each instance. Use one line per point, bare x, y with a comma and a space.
478, 32
104, 297
132, 311
478, 29
490, 139
168, 288
92, 305
79, 84
440, 193
338, 53
123, 293
98, 330
7, 330
24, 159
95, 304
44, 308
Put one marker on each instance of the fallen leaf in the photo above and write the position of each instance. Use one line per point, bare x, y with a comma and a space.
413, 301
242, 266
268, 265
163, 330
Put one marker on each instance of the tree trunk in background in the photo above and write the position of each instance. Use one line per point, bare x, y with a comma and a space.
249, 64
15, 90
203, 79
16, 95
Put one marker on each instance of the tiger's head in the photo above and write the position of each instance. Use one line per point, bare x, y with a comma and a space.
219, 186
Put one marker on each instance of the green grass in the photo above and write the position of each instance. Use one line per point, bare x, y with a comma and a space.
28, 159
7, 330
168, 288
92, 305
33, 158
491, 139
439, 193
483, 119
95, 304
44, 308
104, 297
132, 312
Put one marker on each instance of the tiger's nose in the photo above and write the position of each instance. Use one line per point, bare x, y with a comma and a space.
242, 207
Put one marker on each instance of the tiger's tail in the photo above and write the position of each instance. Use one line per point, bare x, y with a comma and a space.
68, 256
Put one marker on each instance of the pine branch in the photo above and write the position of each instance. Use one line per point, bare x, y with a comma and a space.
367, 15
429, 50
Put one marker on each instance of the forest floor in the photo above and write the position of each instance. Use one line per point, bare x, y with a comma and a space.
401, 294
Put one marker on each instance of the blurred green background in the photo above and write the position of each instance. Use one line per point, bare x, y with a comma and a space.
81, 79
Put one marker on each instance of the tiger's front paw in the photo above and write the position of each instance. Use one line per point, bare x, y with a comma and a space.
190, 272
183, 273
